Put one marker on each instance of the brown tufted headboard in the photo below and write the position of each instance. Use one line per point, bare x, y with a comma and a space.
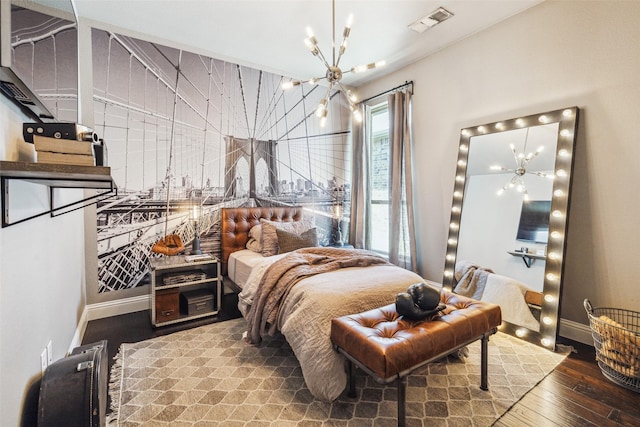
236, 223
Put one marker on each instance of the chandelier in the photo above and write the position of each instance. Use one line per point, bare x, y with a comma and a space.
522, 162
334, 73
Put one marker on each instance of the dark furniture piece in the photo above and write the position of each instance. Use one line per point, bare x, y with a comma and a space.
73, 391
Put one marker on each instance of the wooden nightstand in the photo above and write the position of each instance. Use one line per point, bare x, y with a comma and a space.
184, 289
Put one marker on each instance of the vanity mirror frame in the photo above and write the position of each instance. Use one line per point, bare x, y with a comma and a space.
567, 119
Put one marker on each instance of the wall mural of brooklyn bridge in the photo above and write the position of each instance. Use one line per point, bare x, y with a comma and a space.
185, 130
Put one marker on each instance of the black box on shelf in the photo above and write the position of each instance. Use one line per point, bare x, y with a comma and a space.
58, 130
198, 301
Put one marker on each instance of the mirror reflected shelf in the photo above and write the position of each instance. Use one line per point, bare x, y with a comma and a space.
510, 204
527, 257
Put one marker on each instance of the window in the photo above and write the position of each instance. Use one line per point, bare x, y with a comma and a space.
378, 221
380, 192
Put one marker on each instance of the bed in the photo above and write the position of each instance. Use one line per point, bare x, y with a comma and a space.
305, 310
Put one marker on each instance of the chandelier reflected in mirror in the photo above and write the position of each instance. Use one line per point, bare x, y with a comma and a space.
334, 73
522, 161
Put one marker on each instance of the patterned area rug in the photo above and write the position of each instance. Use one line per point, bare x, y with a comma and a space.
208, 376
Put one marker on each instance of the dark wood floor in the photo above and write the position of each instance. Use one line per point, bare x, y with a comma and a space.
574, 394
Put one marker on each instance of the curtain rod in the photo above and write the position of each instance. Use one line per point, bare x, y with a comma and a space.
405, 84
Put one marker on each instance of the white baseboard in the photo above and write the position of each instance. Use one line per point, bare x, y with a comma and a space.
114, 308
575, 331
107, 309
77, 336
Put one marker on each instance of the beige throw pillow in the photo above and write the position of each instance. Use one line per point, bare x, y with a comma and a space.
255, 239
288, 242
270, 238
254, 245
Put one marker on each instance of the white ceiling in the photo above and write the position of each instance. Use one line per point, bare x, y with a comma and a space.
269, 34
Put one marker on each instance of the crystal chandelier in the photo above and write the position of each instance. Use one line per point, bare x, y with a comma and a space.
522, 161
334, 73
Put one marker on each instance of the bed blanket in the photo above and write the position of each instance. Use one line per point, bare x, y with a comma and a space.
304, 317
282, 275
471, 279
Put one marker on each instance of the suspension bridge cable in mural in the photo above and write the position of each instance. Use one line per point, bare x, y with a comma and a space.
206, 120
170, 244
173, 134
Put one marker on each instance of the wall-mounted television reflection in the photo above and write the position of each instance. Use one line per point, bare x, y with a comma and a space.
534, 221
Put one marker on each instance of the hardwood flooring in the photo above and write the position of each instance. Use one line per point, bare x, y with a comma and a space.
574, 394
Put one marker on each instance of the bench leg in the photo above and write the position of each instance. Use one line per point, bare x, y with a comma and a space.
402, 397
351, 379
484, 362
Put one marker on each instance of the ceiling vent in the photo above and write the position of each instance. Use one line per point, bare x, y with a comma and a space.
434, 18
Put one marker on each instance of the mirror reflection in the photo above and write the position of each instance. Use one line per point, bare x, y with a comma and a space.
506, 240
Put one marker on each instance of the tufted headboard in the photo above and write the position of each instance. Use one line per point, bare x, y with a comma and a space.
236, 223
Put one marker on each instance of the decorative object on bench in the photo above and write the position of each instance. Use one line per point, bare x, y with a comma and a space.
616, 337
388, 347
420, 301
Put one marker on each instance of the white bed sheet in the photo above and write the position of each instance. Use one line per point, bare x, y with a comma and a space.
240, 265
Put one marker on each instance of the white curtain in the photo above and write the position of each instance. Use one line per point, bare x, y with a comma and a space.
360, 189
402, 244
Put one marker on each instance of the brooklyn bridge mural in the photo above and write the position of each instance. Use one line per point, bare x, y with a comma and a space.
188, 133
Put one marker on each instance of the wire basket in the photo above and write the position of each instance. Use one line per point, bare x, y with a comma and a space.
616, 337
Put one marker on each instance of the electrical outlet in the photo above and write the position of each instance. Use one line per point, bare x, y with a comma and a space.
43, 361
49, 353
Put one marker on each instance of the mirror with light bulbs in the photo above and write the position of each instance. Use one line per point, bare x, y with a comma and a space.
507, 234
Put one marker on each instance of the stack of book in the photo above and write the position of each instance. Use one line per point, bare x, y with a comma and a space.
63, 151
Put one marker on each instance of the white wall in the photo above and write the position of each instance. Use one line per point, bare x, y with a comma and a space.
555, 55
41, 277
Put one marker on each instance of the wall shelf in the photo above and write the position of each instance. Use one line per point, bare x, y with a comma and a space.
55, 176
527, 257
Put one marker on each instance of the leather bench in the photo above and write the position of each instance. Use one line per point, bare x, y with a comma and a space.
386, 346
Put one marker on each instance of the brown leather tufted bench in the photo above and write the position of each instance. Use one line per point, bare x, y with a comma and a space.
389, 348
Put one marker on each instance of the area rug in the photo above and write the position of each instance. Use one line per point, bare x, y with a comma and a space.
208, 376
